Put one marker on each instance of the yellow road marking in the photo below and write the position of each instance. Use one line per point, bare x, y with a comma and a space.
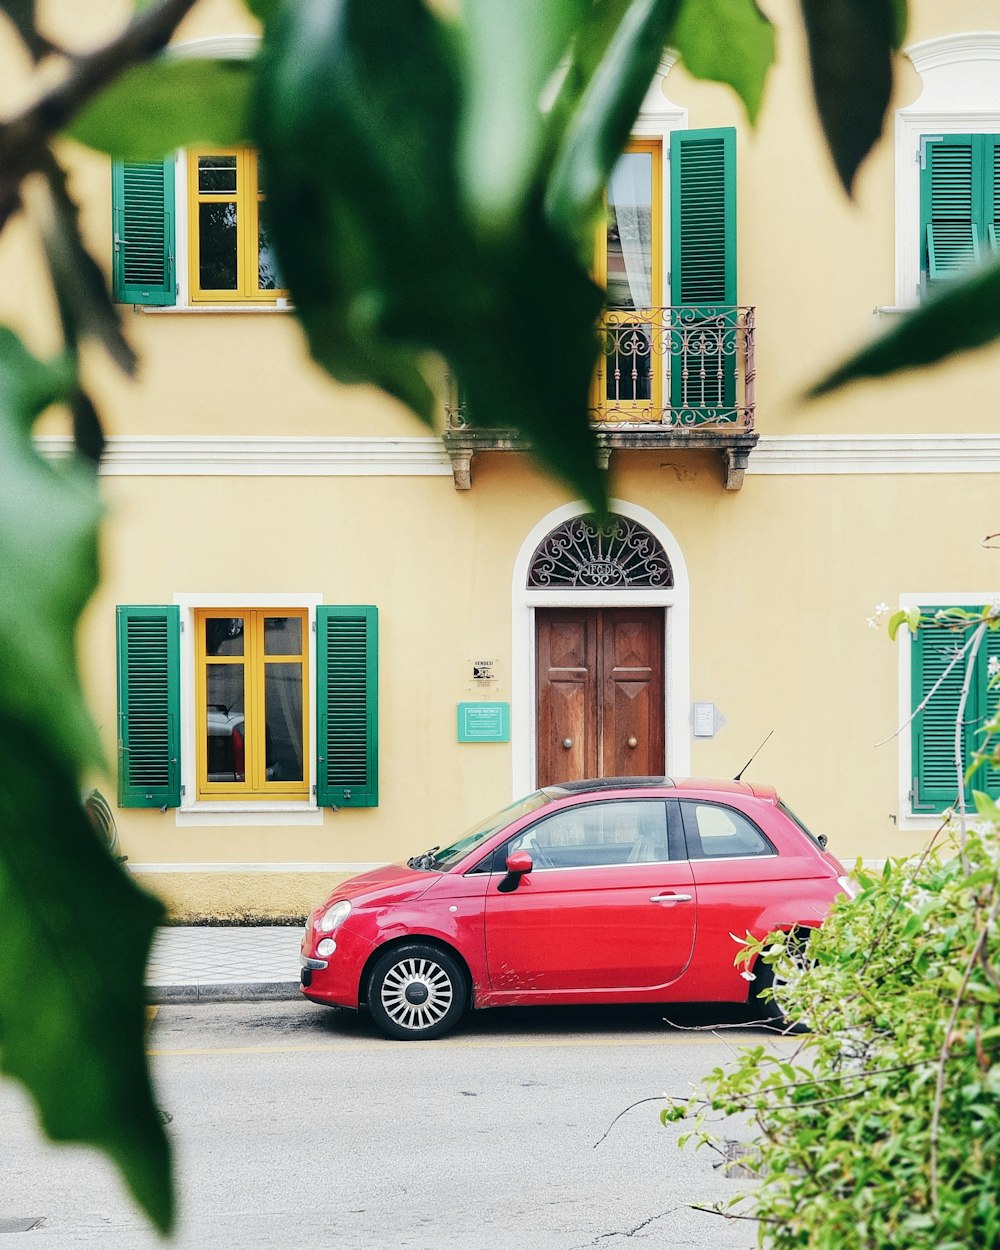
518, 1043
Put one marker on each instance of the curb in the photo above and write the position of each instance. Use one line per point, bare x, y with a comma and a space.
229, 992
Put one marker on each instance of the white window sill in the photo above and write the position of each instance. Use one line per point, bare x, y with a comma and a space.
244, 814
201, 310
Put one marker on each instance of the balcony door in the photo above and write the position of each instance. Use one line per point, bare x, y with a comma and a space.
600, 693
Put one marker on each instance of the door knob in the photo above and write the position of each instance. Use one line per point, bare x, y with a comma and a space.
633, 742
567, 743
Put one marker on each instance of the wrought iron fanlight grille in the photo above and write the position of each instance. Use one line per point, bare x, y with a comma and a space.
583, 555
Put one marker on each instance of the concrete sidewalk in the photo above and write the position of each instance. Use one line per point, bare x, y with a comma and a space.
208, 963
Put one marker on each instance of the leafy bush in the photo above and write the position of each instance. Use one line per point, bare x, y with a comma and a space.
881, 1129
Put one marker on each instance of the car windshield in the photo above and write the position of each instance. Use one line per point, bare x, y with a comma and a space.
450, 855
783, 807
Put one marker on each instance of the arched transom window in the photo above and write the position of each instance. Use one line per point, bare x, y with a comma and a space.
583, 554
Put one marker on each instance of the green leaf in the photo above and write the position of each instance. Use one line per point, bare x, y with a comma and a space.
986, 806
264, 10
900, 21
502, 126
378, 251
894, 622
965, 316
729, 41
850, 52
48, 568
602, 120
166, 104
74, 1033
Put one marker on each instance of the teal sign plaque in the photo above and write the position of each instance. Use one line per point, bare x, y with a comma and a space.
484, 722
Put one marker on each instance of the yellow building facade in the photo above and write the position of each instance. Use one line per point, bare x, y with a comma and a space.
504, 638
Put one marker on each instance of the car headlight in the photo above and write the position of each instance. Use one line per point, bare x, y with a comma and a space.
334, 916
848, 886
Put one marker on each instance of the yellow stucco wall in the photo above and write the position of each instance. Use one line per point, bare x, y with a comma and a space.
783, 573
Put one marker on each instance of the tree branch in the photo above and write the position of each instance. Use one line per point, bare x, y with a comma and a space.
24, 139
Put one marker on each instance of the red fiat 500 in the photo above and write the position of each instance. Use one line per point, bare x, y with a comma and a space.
623, 890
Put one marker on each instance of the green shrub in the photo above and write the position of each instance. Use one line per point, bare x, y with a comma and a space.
880, 1128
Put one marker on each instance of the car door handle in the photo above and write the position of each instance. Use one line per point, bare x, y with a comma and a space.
670, 898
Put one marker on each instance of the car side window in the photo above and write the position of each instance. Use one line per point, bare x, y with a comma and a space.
715, 831
591, 835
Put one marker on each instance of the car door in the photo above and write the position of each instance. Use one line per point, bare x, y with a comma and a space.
606, 906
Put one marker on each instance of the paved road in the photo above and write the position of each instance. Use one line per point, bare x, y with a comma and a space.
297, 1128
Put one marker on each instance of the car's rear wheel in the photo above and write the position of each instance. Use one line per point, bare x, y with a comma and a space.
774, 1006
416, 992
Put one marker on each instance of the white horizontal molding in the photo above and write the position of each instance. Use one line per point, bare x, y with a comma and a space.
218, 455
350, 868
876, 453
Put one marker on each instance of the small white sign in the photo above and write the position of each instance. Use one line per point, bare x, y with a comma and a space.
706, 720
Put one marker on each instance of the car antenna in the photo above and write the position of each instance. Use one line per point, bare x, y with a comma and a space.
751, 759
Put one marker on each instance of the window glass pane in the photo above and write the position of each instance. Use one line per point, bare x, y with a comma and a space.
283, 716
217, 269
224, 635
622, 832
723, 832
630, 232
268, 278
225, 729
283, 635
217, 175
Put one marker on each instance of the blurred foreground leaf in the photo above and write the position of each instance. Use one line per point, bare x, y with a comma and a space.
74, 931
384, 261
502, 127
166, 104
850, 51
729, 41
965, 316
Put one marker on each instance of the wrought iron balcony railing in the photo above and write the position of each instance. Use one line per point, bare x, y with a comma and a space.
669, 369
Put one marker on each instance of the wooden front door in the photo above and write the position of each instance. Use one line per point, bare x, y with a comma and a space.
600, 698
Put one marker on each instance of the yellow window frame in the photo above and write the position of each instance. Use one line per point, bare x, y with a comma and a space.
639, 410
248, 198
255, 786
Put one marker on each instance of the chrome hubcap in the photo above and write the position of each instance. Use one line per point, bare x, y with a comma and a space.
416, 993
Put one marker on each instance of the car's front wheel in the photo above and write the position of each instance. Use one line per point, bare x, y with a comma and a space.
416, 992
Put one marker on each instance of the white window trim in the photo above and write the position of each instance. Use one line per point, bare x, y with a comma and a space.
218, 48
960, 78
908, 819
193, 811
677, 641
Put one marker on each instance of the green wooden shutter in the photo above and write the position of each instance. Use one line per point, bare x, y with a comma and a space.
347, 706
703, 271
935, 780
149, 773
952, 206
991, 182
988, 777
142, 207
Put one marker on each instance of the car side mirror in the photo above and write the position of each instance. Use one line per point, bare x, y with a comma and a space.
821, 839
518, 865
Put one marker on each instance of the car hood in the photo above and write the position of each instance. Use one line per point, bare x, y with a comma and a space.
389, 884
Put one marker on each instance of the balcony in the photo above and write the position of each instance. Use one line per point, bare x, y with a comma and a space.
666, 378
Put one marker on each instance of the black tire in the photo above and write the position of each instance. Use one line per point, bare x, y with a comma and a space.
416, 992
772, 1009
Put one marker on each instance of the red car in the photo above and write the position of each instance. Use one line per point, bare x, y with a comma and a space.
622, 890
